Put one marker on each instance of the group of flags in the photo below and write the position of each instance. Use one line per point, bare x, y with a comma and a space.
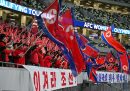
76, 48
121, 51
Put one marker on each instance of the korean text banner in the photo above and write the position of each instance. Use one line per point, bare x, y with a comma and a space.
48, 79
112, 77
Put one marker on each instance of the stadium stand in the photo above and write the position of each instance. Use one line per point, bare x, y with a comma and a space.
102, 17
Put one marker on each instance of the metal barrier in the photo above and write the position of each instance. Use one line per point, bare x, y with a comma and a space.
9, 64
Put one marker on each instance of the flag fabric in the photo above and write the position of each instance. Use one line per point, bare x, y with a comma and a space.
70, 40
85, 47
63, 35
48, 22
110, 58
90, 51
108, 38
100, 61
125, 63
82, 40
49, 18
91, 72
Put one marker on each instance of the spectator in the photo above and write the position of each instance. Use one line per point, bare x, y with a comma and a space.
2, 47
18, 54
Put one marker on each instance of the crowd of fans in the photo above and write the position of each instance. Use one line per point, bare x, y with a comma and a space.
102, 17
30, 47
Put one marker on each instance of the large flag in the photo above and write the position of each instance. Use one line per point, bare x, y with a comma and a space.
70, 40
63, 35
108, 38
49, 18
48, 22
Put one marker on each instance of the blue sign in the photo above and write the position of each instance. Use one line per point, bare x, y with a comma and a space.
98, 27
19, 8
77, 23
112, 77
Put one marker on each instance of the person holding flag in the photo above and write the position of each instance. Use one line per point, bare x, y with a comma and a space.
55, 30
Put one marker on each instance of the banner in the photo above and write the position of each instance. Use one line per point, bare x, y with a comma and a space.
48, 79
112, 77
93, 26
19, 8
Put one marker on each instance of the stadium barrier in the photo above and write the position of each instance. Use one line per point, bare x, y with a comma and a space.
19, 79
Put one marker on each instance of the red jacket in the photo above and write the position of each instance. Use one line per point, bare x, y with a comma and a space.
58, 63
7, 52
17, 58
34, 57
47, 61
41, 60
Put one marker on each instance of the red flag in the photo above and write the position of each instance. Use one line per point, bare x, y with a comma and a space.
108, 38
64, 35
124, 62
70, 40
110, 58
93, 75
100, 60
50, 17
90, 51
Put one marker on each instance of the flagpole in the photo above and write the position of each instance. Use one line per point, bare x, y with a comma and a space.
28, 39
33, 43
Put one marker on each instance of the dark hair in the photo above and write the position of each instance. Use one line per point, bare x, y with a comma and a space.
2, 36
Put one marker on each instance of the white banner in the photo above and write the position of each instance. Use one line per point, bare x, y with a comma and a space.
48, 79
112, 77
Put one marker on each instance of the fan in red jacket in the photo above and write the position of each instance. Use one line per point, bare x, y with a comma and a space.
41, 55
58, 62
18, 55
47, 61
34, 56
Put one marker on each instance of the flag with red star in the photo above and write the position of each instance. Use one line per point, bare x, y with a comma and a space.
70, 41
109, 39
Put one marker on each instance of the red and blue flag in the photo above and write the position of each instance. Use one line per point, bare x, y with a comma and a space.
109, 39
